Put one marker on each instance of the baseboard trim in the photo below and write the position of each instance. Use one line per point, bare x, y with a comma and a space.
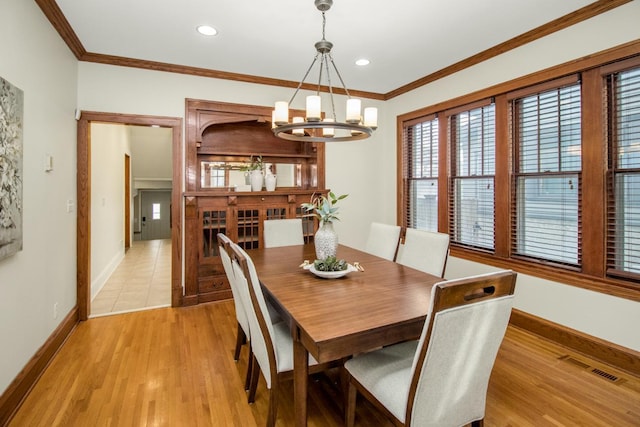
20, 387
614, 355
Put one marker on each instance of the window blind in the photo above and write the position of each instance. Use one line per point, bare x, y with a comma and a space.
623, 207
420, 174
547, 187
472, 201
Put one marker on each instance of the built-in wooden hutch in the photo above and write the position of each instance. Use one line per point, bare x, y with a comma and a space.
221, 139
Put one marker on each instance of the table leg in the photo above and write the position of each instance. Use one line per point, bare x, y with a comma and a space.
300, 381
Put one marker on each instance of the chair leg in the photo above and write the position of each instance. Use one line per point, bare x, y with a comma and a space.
247, 379
273, 404
344, 387
255, 372
350, 407
241, 338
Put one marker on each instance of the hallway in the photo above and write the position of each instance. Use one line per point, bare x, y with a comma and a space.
141, 281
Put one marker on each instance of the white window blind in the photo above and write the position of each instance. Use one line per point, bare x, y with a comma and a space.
623, 207
547, 176
471, 202
420, 165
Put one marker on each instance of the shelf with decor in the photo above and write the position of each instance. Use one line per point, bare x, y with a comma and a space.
222, 140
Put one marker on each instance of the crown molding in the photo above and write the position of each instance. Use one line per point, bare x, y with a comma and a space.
60, 23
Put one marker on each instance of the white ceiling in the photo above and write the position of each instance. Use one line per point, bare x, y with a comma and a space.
404, 39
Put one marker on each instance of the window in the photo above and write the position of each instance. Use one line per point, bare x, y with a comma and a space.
155, 209
539, 174
420, 148
218, 177
472, 177
547, 175
623, 219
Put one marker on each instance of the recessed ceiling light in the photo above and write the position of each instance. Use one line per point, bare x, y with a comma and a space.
207, 30
362, 62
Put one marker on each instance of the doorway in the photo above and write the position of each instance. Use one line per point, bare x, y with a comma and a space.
84, 200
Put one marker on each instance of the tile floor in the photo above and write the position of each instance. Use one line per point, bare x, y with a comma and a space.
141, 281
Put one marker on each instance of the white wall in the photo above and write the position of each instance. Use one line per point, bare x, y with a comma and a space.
151, 154
109, 144
35, 59
610, 318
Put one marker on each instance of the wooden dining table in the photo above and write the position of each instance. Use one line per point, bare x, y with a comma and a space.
335, 318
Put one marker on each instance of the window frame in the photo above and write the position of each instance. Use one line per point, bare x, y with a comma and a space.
608, 73
456, 176
592, 274
519, 174
405, 164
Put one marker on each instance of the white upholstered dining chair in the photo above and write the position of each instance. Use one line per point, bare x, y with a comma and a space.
242, 334
271, 343
283, 232
383, 240
424, 250
441, 379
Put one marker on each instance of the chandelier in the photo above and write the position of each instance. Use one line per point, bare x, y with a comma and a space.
313, 128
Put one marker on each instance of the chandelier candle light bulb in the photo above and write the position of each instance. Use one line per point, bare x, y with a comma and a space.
328, 132
299, 131
281, 113
371, 117
353, 110
313, 108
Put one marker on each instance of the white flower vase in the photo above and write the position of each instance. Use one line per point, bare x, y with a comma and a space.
326, 241
270, 182
256, 180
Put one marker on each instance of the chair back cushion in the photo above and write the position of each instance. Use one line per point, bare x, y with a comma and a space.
241, 314
424, 250
283, 232
260, 324
451, 374
383, 240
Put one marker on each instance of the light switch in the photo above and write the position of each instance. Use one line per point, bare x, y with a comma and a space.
48, 162
70, 206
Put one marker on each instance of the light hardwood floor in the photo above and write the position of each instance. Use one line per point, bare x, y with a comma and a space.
141, 280
174, 367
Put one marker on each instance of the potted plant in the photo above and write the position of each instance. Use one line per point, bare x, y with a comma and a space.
254, 169
324, 208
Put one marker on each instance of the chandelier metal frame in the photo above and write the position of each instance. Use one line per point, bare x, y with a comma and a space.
296, 131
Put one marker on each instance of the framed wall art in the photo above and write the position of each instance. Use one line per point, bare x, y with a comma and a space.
11, 112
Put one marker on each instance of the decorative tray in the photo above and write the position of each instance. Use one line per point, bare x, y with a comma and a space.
331, 274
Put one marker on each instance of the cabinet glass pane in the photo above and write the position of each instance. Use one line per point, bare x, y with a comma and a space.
213, 222
248, 228
276, 213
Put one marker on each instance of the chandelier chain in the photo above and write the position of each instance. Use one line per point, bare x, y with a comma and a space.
315, 59
324, 23
333, 106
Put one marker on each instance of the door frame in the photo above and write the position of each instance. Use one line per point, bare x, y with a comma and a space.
83, 178
127, 202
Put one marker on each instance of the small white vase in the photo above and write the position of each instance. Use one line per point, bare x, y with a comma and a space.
256, 180
270, 181
326, 241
